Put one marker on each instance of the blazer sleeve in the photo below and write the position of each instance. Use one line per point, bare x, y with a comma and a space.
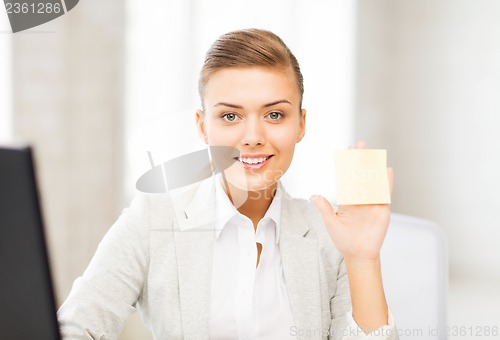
343, 327
105, 295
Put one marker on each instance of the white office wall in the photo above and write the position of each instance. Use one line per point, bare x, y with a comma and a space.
5, 78
428, 88
68, 104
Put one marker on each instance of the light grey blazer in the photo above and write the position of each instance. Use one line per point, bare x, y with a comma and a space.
158, 257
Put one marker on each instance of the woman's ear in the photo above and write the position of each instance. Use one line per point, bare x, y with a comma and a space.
302, 126
200, 125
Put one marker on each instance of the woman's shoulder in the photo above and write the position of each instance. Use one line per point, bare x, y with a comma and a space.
145, 202
161, 206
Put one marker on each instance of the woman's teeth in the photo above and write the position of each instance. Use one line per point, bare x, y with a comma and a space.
252, 160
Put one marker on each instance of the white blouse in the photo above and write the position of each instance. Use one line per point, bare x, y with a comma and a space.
248, 302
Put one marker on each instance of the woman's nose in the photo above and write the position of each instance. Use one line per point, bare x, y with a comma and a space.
254, 133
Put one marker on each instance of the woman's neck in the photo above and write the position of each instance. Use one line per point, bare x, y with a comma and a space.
255, 203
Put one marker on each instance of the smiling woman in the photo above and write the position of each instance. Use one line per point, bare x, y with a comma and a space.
235, 256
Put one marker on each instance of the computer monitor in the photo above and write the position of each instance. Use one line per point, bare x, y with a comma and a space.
27, 305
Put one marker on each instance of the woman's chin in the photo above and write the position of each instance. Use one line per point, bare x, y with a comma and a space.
253, 181
246, 184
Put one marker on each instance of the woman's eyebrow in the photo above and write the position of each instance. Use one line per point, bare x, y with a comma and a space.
234, 106
277, 102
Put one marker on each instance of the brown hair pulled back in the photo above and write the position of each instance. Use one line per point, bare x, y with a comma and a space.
247, 48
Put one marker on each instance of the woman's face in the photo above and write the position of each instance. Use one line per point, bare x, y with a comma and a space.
257, 111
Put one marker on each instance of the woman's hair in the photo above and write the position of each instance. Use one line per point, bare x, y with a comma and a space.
247, 48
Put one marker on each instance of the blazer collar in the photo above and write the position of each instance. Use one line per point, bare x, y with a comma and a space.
195, 205
194, 243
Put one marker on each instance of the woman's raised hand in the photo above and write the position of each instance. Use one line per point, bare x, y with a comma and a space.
357, 231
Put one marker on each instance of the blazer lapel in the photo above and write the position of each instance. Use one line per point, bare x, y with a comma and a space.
194, 241
301, 268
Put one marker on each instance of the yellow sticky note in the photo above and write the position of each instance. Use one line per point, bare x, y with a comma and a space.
362, 177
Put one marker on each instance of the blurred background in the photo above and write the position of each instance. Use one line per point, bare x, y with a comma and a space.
420, 78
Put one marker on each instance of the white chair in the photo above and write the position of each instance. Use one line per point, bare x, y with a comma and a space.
415, 272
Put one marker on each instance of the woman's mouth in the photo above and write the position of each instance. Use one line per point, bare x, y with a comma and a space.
253, 162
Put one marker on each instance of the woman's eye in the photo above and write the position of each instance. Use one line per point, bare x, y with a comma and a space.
275, 115
229, 117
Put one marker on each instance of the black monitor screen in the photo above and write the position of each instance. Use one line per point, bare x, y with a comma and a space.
27, 307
